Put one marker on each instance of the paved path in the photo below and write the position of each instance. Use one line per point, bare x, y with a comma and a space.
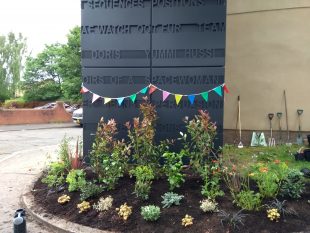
23, 154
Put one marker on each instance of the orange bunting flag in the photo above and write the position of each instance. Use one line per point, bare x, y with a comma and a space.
152, 89
83, 90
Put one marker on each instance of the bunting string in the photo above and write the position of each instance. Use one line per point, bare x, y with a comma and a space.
151, 88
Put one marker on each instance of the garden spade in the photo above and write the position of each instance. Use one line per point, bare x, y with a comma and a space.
279, 115
299, 137
240, 145
271, 140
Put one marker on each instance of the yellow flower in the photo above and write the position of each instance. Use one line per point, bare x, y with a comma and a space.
63, 199
187, 220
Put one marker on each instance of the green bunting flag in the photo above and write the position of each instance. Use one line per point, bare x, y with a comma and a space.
218, 90
133, 97
150, 89
205, 96
144, 90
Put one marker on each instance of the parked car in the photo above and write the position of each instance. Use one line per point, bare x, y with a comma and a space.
68, 108
77, 116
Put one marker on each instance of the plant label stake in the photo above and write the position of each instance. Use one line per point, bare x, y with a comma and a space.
279, 115
299, 137
271, 140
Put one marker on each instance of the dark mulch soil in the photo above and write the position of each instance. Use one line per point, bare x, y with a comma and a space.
170, 220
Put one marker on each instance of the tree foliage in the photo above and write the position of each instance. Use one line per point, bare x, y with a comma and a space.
55, 72
13, 49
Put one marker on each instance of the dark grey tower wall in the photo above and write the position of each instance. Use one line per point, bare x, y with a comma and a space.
177, 45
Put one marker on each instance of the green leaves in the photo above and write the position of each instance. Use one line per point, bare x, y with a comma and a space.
55, 72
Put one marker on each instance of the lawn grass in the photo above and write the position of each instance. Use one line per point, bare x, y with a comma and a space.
248, 156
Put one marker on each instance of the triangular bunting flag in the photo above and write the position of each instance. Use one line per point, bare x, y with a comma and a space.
191, 98
133, 97
84, 90
107, 100
178, 98
120, 101
95, 97
144, 90
218, 90
152, 89
205, 96
225, 88
165, 95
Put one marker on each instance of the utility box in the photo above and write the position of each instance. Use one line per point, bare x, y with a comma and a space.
176, 45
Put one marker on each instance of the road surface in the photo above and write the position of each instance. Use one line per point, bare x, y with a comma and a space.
24, 151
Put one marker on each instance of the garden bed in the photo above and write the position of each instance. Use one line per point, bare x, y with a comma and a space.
170, 218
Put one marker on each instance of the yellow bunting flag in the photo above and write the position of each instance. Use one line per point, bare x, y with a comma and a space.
178, 98
107, 100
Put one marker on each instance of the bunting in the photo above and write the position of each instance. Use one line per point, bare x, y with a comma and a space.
165, 94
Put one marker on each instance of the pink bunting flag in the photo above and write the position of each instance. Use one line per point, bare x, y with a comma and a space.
165, 95
95, 97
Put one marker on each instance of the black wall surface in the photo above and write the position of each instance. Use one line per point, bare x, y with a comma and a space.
177, 45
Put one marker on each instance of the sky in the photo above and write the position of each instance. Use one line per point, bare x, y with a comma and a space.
40, 21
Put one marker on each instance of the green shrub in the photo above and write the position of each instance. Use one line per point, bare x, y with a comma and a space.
55, 176
173, 169
248, 200
211, 176
293, 186
144, 176
76, 180
170, 199
90, 190
150, 212
14, 103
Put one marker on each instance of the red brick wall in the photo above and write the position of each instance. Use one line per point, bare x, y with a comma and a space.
34, 116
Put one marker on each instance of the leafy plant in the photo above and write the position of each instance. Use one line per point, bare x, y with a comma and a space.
281, 207
63, 199
76, 180
293, 186
144, 176
64, 153
83, 206
170, 199
142, 135
55, 175
150, 212
187, 220
173, 169
248, 200
208, 205
233, 220
124, 211
273, 215
201, 142
103, 204
103, 146
90, 190
211, 176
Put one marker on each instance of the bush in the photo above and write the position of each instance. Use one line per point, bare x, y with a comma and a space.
173, 169
90, 190
293, 186
170, 199
14, 103
56, 175
150, 212
144, 176
208, 205
248, 200
76, 180
103, 204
